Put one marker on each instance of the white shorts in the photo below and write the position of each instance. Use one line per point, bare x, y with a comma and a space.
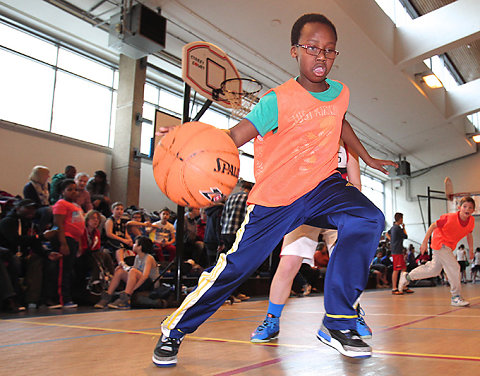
303, 242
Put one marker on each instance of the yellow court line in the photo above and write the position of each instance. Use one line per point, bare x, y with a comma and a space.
422, 355
381, 352
82, 327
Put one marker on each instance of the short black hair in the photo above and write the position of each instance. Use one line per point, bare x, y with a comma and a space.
398, 216
145, 243
101, 174
70, 167
65, 183
307, 18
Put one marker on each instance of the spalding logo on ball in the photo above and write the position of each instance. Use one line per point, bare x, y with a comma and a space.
196, 164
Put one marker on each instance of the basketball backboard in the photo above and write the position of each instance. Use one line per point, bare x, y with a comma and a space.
204, 67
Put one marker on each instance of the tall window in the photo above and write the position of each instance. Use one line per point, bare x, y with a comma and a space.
375, 191
49, 87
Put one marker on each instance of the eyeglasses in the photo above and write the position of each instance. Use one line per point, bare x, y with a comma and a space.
315, 51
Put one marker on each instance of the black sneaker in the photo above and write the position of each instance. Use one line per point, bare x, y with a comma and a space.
346, 342
165, 353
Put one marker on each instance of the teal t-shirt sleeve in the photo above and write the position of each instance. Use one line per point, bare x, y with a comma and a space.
264, 116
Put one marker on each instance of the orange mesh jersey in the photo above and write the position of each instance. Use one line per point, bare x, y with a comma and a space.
451, 232
304, 149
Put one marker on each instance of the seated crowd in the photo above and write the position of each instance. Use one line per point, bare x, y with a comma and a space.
65, 243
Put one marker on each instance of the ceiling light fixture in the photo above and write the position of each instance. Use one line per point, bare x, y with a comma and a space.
476, 138
432, 81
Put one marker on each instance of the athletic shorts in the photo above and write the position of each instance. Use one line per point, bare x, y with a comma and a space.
399, 262
301, 242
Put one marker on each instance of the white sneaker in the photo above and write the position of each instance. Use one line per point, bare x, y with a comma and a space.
457, 301
403, 282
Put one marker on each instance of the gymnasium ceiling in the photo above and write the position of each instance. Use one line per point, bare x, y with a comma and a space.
393, 113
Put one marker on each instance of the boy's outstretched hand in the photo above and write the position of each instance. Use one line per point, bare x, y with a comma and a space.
379, 163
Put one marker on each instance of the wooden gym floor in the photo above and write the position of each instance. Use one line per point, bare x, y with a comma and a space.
417, 334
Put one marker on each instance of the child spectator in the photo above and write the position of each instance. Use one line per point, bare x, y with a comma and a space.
193, 246
447, 231
396, 235
462, 259
118, 241
411, 260
68, 218
164, 236
475, 265
140, 277
99, 263
138, 226
212, 238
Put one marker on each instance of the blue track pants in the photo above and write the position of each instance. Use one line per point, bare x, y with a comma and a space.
334, 203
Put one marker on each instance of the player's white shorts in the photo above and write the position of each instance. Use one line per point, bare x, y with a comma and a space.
303, 242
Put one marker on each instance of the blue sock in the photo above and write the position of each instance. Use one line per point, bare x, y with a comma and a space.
275, 309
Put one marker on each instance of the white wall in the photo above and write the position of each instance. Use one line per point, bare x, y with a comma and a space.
465, 175
21, 148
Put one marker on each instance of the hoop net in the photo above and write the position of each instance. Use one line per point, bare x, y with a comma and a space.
242, 93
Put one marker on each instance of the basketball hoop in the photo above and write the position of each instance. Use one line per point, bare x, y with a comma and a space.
241, 93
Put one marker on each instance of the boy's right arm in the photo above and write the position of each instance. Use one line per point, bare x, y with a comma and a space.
243, 132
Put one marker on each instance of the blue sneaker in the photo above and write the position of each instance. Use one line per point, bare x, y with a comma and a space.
267, 331
363, 329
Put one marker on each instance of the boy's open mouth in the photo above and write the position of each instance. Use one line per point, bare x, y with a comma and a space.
319, 70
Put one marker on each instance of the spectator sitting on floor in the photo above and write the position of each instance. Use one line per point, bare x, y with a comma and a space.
98, 264
140, 277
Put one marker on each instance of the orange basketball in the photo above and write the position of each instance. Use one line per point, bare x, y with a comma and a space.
196, 164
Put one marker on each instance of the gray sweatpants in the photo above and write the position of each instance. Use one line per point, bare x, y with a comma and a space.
442, 259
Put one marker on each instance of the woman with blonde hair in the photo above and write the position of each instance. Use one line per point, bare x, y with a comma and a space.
38, 190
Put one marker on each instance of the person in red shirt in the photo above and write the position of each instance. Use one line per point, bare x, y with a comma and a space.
68, 218
447, 232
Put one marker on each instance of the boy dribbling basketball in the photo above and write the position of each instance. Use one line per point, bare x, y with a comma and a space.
296, 133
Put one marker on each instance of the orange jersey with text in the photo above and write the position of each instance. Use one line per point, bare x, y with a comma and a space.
303, 151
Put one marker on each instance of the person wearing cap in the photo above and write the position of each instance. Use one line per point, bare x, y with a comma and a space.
21, 241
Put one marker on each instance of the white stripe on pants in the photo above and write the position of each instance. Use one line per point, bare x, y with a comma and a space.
442, 258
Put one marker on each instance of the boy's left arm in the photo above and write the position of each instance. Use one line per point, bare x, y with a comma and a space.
470, 245
350, 138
